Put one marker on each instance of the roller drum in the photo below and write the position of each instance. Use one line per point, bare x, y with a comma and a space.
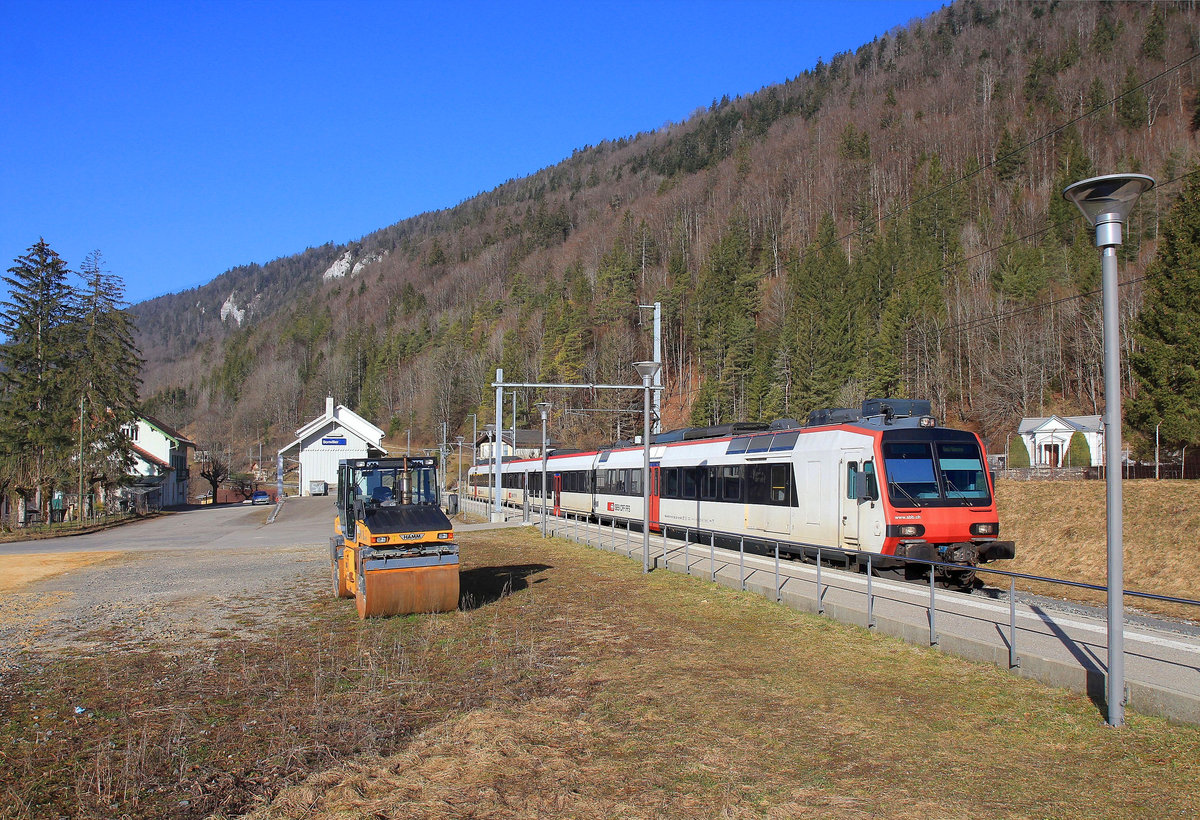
402, 591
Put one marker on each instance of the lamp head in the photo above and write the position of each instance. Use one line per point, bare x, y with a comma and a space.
1106, 201
647, 370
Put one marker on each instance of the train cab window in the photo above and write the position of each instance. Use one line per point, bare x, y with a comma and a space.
962, 470
851, 479
760, 444
738, 445
784, 441
909, 467
731, 484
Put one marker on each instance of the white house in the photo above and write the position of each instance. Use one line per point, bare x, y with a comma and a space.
1048, 439
326, 440
160, 469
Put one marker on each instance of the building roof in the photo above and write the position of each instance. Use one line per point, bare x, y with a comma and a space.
167, 431
1082, 424
345, 417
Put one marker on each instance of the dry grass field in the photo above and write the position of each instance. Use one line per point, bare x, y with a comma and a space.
1060, 532
569, 685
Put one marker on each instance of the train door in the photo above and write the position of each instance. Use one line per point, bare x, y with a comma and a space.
558, 493
655, 495
850, 468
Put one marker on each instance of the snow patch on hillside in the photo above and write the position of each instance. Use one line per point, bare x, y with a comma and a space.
230, 308
339, 268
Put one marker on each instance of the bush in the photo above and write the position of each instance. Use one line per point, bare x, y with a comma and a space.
1078, 452
1018, 453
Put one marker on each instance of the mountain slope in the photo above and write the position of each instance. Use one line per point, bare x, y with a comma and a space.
886, 223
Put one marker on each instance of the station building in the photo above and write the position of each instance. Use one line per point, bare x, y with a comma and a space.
326, 440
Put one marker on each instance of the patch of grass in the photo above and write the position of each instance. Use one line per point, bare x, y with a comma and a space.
574, 687
1059, 528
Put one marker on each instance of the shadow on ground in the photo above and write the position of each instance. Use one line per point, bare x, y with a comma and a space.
486, 585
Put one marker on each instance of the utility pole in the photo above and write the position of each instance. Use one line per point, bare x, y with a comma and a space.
497, 460
656, 426
80, 458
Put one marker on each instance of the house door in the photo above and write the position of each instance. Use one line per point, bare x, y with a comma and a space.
1052, 454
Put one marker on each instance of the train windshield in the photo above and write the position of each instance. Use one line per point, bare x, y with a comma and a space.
935, 473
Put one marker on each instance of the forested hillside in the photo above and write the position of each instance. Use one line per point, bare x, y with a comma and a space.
888, 223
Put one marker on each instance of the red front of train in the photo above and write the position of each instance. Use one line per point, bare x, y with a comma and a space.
938, 497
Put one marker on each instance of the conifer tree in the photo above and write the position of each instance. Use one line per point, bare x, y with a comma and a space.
35, 367
107, 370
1166, 364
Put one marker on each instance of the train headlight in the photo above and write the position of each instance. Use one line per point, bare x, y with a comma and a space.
927, 421
911, 530
987, 528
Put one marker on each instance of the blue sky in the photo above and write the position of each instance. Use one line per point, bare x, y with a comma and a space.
182, 139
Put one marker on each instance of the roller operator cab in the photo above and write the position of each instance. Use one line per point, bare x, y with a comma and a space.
393, 548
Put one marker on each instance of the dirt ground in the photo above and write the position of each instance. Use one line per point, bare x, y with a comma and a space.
17, 571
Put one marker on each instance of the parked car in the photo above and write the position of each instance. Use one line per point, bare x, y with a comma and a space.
260, 497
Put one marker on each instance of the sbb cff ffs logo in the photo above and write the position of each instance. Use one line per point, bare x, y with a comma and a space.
614, 507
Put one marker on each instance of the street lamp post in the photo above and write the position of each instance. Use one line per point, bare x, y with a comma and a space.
647, 370
1106, 202
544, 407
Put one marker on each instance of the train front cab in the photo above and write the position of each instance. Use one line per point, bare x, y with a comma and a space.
939, 500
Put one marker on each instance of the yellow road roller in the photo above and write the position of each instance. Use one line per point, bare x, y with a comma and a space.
393, 548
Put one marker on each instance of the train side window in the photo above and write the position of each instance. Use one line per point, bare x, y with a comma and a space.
731, 484
784, 441
781, 484
689, 479
634, 484
868, 474
758, 484
738, 445
760, 443
708, 483
851, 479
670, 483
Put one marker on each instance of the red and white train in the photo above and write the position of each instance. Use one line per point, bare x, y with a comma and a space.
884, 480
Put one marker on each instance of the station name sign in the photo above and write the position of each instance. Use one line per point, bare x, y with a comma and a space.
333, 441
